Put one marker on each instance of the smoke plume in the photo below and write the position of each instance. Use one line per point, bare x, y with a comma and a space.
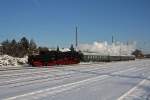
103, 48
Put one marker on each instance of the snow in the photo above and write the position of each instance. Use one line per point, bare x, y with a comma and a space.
139, 92
86, 81
9, 61
64, 49
61, 49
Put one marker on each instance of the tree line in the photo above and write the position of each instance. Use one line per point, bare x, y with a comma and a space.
18, 49
23, 47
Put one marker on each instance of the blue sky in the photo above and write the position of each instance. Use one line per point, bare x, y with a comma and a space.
52, 22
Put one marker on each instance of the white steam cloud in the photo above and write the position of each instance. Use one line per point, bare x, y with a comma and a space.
103, 48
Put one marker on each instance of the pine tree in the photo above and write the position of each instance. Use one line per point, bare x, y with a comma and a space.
24, 43
24, 46
13, 48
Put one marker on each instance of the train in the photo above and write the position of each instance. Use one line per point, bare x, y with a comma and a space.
51, 58
106, 58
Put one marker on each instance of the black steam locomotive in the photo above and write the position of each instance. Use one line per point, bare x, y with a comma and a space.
51, 58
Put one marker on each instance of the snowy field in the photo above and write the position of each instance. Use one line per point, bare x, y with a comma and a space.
128, 80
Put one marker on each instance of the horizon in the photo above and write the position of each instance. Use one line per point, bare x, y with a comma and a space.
52, 22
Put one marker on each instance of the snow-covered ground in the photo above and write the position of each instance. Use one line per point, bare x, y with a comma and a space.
128, 80
8, 61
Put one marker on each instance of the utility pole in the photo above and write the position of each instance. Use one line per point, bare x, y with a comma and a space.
76, 37
112, 39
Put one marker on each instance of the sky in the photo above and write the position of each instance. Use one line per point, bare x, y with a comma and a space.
52, 22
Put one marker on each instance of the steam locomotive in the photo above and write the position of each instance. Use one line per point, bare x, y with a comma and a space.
51, 58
